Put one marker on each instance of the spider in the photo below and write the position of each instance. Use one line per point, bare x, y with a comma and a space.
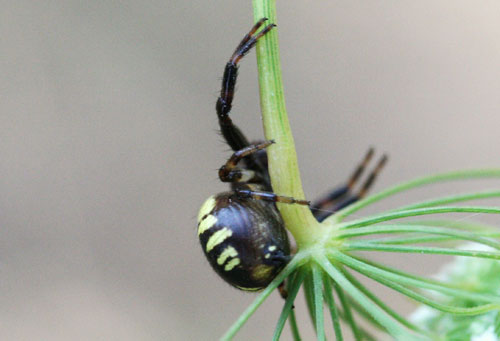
241, 231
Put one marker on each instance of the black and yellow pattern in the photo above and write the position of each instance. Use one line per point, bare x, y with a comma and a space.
241, 231
243, 239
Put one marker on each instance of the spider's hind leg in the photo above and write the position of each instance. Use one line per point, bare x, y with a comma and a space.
341, 196
342, 190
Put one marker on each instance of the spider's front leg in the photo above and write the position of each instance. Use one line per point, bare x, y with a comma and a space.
250, 182
230, 173
268, 196
231, 132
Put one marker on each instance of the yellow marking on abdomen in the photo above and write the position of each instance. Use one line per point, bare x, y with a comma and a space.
248, 289
231, 264
261, 272
217, 238
206, 208
206, 223
227, 253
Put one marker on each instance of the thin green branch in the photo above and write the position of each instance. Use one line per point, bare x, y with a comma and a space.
452, 199
417, 212
477, 229
412, 239
405, 273
288, 307
368, 246
477, 310
403, 320
294, 326
348, 316
318, 302
283, 165
371, 271
458, 224
330, 301
458, 175
378, 314
309, 296
292, 266
363, 313
403, 228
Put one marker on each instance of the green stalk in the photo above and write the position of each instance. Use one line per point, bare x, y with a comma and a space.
372, 271
378, 314
402, 228
294, 326
283, 166
368, 246
318, 302
288, 307
404, 321
417, 212
452, 199
432, 302
457, 175
348, 315
292, 266
333, 308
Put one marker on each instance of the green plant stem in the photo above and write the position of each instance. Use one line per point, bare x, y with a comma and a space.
318, 302
378, 314
452, 199
402, 228
294, 326
374, 272
431, 302
309, 295
330, 301
283, 166
417, 212
380, 303
457, 175
294, 263
368, 246
288, 307
467, 311
348, 315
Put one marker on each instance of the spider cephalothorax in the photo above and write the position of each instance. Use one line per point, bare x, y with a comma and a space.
241, 231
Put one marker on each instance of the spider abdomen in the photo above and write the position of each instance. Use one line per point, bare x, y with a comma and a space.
243, 239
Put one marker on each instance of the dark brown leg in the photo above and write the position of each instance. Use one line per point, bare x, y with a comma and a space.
230, 173
232, 133
322, 215
371, 178
341, 191
268, 196
282, 290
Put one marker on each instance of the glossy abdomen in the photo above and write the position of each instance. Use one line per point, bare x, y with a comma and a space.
243, 239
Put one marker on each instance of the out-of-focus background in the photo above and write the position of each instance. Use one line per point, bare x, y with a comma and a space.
109, 144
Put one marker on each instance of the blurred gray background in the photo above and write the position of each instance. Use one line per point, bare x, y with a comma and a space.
109, 144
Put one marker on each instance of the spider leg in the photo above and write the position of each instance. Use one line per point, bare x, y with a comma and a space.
350, 199
339, 192
282, 290
230, 173
248, 183
248, 192
232, 134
